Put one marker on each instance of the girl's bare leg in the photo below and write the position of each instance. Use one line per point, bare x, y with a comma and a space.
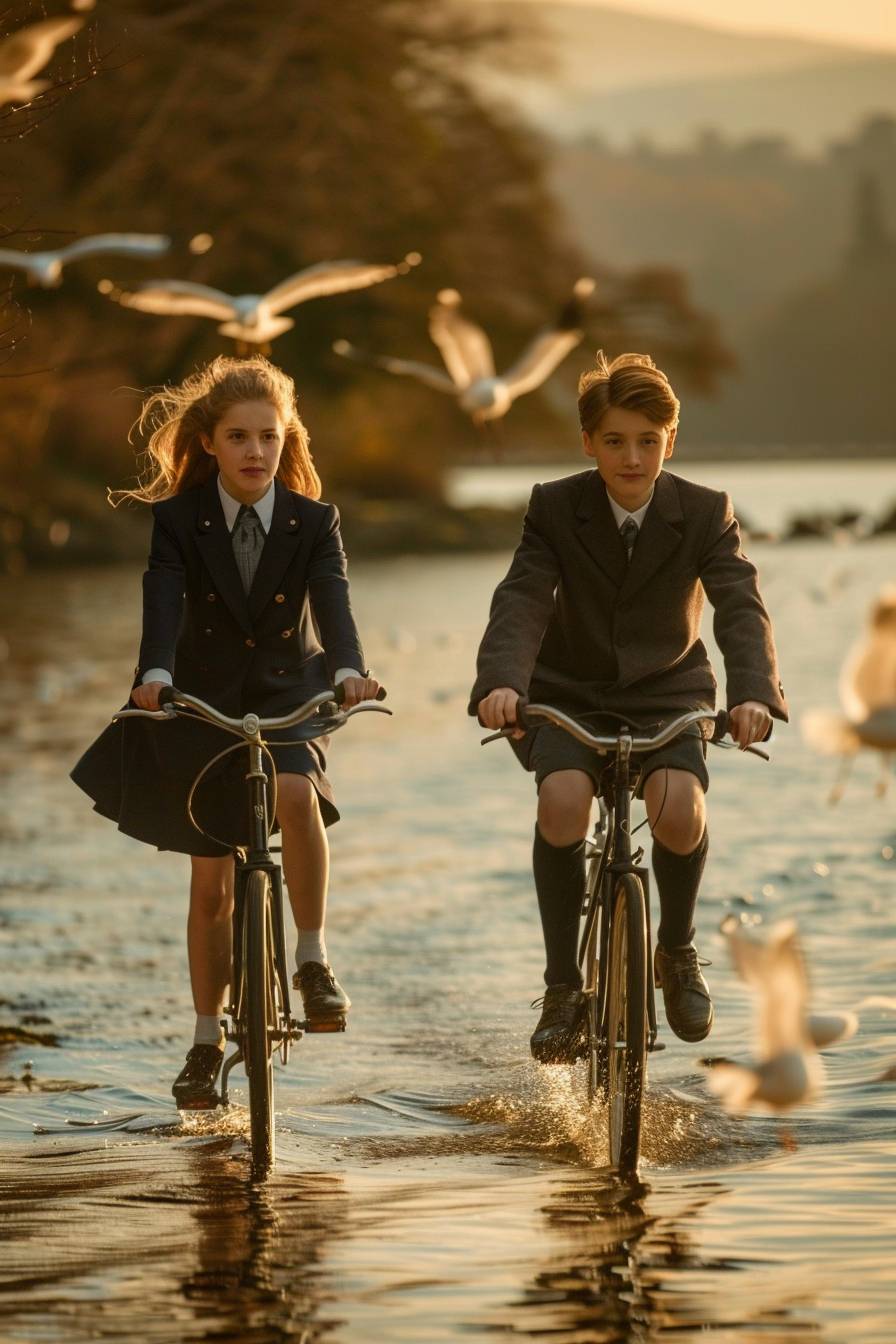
209, 932
306, 866
306, 853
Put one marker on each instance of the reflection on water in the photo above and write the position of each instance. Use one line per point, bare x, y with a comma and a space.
432, 1183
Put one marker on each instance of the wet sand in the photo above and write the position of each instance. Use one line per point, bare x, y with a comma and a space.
432, 1184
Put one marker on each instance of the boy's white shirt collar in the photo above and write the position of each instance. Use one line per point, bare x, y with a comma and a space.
264, 507
620, 514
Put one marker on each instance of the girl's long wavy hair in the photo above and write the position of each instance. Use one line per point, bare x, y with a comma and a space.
178, 418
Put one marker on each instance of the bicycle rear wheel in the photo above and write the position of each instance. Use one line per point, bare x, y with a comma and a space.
260, 1020
626, 1021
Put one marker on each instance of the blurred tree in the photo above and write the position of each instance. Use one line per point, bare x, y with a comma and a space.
293, 133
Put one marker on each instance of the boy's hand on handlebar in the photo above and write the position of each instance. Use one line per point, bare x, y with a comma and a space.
749, 723
498, 710
147, 696
356, 689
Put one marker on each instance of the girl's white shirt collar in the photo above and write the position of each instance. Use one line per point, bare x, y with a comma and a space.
264, 507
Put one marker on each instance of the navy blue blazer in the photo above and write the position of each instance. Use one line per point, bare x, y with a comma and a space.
278, 645
264, 652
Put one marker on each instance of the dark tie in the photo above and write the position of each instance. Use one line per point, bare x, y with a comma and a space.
629, 534
248, 543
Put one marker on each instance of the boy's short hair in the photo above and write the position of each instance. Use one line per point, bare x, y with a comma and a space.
631, 382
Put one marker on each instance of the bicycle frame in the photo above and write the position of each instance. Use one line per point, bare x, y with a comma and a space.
614, 827
258, 856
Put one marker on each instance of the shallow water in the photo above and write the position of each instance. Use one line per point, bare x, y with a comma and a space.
432, 1184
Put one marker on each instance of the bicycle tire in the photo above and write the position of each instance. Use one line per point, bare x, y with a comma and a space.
626, 1021
595, 1047
259, 1002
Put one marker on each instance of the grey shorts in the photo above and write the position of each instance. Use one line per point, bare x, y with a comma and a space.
546, 749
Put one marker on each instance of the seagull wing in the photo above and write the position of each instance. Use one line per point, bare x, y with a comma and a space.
18, 260
25, 52
178, 297
123, 244
464, 346
539, 360
411, 368
828, 1028
327, 277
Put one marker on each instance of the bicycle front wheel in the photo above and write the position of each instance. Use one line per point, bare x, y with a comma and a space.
626, 1021
258, 970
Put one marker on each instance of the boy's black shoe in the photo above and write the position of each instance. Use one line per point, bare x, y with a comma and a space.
194, 1087
324, 1000
558, 1037
685, 993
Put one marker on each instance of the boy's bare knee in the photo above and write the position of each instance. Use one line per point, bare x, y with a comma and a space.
297, 803
676, 808
564, 806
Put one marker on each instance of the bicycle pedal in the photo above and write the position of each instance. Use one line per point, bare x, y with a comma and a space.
657, 1045
331, 1024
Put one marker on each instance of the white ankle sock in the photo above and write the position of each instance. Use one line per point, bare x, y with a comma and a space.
208, 1030
311, 947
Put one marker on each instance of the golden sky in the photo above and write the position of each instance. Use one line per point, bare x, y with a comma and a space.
868, 22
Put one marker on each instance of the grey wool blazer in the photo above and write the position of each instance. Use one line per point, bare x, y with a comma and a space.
575, 625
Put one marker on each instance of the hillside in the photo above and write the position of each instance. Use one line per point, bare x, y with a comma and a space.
623, 76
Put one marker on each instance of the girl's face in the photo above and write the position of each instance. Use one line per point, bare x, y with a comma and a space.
629, 451
247, 442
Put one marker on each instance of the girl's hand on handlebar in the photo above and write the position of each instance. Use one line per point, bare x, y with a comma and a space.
498, 710
356, 689
749, 723
147, 696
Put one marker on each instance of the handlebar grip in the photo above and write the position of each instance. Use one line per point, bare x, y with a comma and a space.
721, 727
522, 719
339, 693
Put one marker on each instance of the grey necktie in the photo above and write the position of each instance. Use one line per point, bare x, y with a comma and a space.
629, 534
248, 542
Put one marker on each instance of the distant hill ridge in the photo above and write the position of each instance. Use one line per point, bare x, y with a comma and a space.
623, 75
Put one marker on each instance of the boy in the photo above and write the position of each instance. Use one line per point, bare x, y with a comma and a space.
600, 611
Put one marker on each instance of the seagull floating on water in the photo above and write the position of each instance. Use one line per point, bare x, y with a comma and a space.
868, 696
27, 51
469, 359
45, 268
787, 1070
256, 319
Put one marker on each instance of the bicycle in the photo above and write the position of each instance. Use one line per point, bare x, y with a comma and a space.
618, 1024
261, 1021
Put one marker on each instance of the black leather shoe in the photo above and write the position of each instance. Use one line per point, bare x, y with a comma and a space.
558, 1037
685, 993
194, 1087
324, 1000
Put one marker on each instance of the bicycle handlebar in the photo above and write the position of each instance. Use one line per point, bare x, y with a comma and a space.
172, 700
526, 712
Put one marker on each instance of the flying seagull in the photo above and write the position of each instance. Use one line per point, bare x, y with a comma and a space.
868, 696
25, 52
787, 1070
45, 268
256, 319
469, 375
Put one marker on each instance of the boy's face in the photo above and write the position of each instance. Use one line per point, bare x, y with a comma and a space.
629, 451
247, 441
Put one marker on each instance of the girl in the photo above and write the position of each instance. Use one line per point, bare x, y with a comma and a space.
245, 605
600, 612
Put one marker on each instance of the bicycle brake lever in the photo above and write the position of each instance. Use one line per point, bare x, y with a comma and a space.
496, 737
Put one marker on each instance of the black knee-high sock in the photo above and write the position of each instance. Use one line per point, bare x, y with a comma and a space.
560, 886
678, 879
